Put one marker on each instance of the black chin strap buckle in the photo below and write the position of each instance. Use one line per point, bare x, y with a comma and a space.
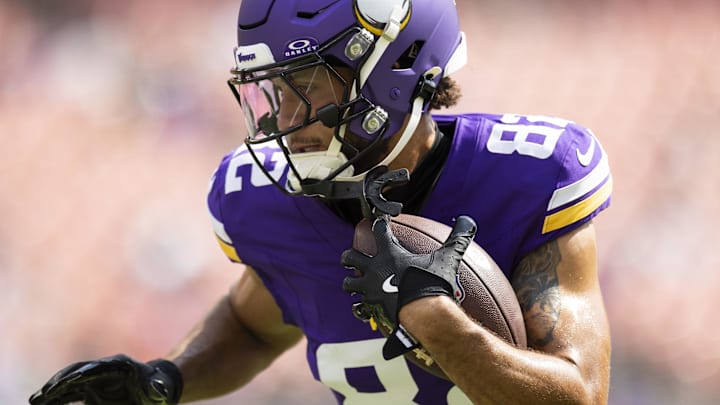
332, 190
374, 204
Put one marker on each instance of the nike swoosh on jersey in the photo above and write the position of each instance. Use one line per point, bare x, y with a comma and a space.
586, 158
388, 287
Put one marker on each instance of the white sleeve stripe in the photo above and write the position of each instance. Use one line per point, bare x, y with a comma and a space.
219, 229
571, 192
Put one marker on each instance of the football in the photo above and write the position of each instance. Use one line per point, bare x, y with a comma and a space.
488, 297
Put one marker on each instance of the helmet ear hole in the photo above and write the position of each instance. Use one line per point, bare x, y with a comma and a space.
374, 14
408, 57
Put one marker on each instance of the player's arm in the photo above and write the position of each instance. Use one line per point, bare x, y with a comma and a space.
240, 337
568, 334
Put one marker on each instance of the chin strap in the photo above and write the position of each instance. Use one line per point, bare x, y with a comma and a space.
317, 165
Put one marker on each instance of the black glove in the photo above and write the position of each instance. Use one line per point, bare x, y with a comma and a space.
395, 277
114, 380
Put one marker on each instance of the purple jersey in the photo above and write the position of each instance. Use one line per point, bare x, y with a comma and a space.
524, 179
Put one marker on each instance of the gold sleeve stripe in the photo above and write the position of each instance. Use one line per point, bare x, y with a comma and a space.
581, 187
224, 240
578, 211
229, 250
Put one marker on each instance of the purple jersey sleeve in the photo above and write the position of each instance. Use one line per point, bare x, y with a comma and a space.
525, 180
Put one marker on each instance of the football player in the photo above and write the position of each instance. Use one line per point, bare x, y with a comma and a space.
331, 91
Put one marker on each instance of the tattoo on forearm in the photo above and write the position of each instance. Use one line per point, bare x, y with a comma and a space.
536, 285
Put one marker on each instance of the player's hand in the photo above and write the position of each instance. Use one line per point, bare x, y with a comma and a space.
114, 380
395, 277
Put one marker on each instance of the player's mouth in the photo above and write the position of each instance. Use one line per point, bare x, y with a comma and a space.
306, 145
306, 149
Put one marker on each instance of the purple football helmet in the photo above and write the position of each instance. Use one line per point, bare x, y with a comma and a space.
361, 70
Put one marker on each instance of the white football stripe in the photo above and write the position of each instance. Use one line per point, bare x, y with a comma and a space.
219, 229
572, 192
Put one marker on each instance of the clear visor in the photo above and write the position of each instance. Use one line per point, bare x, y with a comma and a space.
276, 102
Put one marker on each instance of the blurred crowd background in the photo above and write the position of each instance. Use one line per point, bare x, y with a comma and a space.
113, 115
